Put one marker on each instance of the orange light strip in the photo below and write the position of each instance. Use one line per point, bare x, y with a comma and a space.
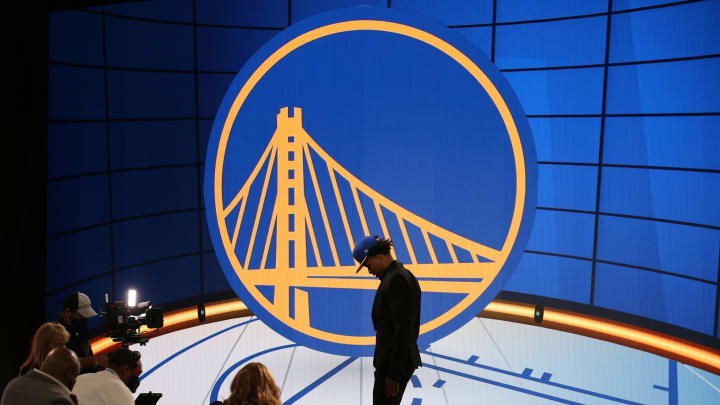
655, 342
643, 339
510, 309
627, 335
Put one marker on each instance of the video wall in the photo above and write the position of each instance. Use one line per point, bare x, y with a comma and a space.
621, 96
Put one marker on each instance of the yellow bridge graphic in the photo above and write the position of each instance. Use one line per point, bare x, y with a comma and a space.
288, 155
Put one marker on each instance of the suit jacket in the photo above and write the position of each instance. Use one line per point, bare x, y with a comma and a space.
35, 388
396, 319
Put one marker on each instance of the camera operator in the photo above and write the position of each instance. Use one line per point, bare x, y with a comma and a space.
114, 385
76, 309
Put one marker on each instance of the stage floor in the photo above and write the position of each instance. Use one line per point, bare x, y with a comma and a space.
486, 361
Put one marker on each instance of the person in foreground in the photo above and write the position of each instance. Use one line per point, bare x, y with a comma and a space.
114, 385
48, 336
395, 316
253, 385
49, 384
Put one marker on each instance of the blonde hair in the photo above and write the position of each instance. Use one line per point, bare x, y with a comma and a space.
254, 385
41, 344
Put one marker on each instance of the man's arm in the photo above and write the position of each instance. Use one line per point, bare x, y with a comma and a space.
399, 299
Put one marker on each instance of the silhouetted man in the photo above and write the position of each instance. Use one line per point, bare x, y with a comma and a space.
50, 384
396, 319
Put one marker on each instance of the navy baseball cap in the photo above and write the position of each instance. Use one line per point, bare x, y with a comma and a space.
360, 252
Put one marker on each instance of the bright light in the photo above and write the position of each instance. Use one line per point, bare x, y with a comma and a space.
132, 298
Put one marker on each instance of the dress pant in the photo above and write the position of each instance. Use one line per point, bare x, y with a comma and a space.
379, 397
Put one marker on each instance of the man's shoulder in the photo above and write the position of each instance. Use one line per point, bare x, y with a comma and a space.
33, 388
36, 377
100, 377
402, 272
96, 380
398, 279
89, 376
15, 382
403, 279
102, 386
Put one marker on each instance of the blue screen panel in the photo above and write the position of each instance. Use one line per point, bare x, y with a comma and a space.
668, 32
77, 256
557, 43
76, 37
567, 233
566, 139
205, 234
201, 168
75, 93
450, 12
630, 4
76, 148
681, 249
690, 142
152, 191
151, 94
204, 135
302, 9
682, 30
152, 143
521, 10
77, 203
480, 36
673, 87
153, 238
682, 302
267, 13
95, 290
165, 281
166, 10
552, 276
569, 187
566, 91
211, 89
664, 194
149, 45
213, 277
227, 49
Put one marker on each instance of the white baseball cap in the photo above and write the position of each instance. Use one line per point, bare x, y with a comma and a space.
80, 303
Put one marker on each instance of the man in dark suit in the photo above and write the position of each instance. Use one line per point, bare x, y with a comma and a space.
50, 384
396, 319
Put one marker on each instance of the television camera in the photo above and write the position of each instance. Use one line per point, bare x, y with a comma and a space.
124, 319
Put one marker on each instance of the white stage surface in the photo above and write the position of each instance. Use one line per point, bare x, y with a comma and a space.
486, 361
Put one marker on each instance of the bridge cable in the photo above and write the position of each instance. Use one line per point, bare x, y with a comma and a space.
282, 387
225, 362
496, 345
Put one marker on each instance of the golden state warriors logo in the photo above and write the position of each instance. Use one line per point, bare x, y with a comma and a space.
359, 122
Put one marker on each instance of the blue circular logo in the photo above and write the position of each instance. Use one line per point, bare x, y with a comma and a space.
368, 121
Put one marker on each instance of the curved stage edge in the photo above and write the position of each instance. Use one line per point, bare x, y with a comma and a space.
646, 340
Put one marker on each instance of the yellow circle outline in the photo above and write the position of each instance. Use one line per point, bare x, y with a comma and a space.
412, 32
